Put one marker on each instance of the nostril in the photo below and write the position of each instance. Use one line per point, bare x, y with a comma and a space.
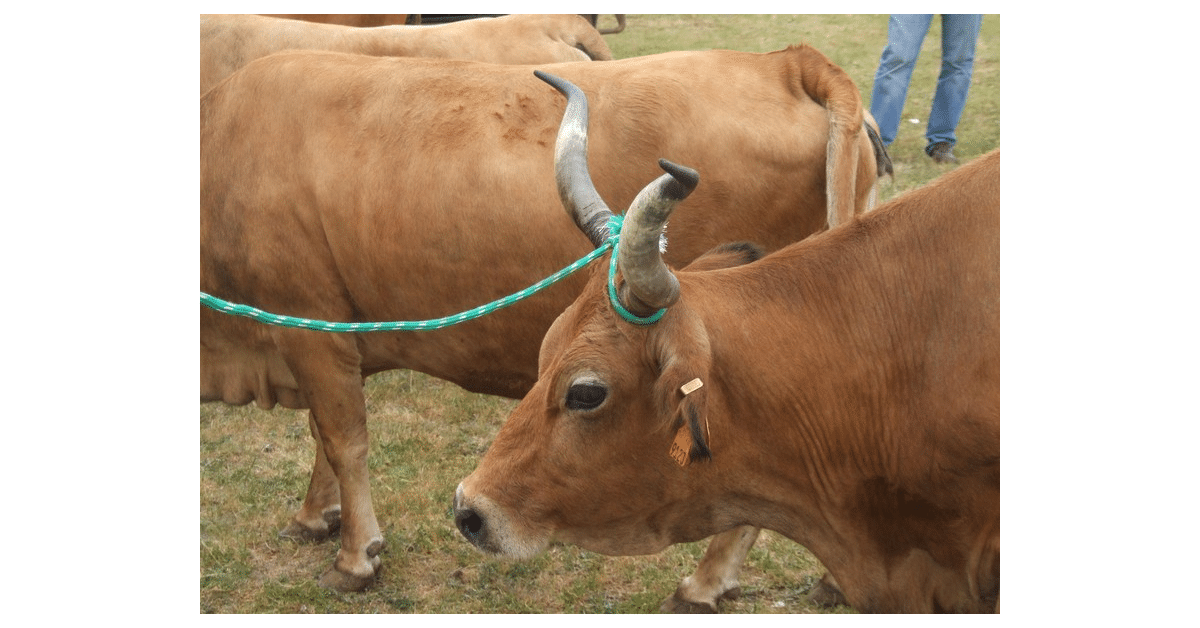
470, 524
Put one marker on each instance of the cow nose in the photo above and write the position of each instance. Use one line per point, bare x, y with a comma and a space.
469, 523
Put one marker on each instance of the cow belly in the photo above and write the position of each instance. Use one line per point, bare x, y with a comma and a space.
238, 377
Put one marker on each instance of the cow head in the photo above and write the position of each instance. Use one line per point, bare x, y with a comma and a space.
649, 284
608, 392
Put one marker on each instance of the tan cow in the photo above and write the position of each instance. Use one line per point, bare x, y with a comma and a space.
843, 391
346, 19
352, 188
228, 42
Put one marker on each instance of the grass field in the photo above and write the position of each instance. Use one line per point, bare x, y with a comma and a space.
426, 435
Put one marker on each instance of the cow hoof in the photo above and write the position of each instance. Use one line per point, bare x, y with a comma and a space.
352, 580
678, 605
344, 582
297, 531
316, 532
826, 594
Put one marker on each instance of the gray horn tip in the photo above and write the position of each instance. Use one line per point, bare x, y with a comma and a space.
560, 84
685, 178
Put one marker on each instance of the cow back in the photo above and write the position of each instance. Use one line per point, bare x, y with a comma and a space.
229, 42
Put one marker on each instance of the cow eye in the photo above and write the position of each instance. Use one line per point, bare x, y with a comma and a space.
586, 395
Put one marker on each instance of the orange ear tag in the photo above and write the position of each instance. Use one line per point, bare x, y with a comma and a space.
679, 446
683, 439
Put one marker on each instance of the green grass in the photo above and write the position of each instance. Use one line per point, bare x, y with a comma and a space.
426, 434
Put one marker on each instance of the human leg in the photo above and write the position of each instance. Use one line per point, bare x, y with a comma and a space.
905, 34
959, 34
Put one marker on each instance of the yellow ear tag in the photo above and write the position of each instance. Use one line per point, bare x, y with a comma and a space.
682, 442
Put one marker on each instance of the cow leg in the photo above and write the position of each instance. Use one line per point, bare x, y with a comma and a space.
321, 515
327, 369
716, 577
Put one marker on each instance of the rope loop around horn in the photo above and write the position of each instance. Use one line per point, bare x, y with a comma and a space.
614, 227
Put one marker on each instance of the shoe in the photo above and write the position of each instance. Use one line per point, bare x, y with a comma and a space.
942, 153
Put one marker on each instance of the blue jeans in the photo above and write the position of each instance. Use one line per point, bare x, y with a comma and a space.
905, 35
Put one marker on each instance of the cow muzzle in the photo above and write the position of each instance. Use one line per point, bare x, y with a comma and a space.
489, 528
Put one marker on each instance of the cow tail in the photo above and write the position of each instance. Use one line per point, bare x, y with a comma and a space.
832, 88
589, 40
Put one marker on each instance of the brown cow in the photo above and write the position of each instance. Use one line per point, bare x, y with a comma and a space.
346, 19
228, 42
843, 391
352, 188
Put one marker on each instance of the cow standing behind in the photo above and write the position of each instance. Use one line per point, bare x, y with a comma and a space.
346, 19
229, 42
843, 391
351, 188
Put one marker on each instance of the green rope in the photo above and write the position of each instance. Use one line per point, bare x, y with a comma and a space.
614, 224
616, 303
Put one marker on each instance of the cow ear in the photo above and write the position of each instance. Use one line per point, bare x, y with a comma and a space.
693, 417
682, 388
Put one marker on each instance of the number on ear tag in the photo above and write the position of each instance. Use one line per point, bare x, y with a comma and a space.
680, 446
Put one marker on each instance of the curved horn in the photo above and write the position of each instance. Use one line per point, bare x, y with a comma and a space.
649, 284
579, 196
